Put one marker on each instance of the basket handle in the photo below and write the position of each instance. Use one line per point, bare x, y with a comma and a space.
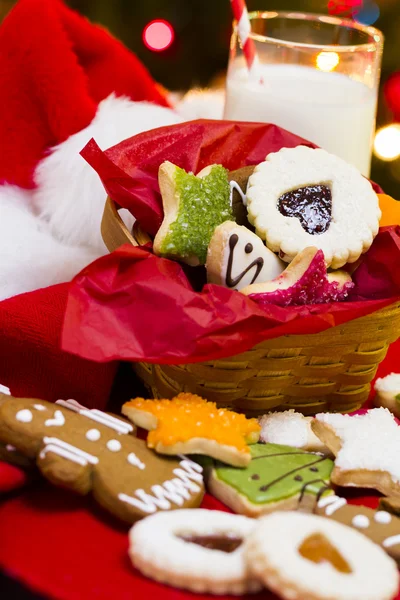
114, 231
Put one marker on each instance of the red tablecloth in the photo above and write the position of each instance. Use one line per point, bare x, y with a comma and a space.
66, 548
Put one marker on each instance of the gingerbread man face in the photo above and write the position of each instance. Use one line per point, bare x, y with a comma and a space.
88, 450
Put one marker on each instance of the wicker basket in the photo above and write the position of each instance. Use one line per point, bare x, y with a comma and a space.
328, 371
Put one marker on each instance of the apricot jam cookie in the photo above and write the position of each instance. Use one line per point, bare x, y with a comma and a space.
191, 425
302, 556
200, 550
301, 197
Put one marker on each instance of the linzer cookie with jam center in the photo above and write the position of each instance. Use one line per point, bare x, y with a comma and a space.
277, 478
90, 451
200, 550
307, 557
301, 197
380, 526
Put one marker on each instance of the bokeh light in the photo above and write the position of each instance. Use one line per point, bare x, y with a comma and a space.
387, 142
158, 35
367, 14
327, 61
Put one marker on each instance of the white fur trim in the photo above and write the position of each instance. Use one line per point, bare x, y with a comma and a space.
30, 257
202, 104
70, 195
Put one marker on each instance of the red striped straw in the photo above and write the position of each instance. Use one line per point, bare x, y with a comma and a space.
241, 15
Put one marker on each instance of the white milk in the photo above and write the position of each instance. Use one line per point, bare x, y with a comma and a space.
329, 109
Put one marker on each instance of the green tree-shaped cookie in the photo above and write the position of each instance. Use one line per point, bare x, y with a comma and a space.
193, 207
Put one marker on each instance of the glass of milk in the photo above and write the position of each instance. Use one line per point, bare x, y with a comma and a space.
316, 76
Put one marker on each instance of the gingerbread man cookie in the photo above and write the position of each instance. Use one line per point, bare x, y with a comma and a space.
300, 197
367, 449
307, 557
236, 258
193, 207
379, 525
88, 450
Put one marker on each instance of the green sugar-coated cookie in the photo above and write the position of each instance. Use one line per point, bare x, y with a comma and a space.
193, 207
277, 473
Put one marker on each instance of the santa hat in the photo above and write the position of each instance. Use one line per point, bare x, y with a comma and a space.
64, 81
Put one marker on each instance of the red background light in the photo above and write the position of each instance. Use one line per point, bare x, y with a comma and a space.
158, 35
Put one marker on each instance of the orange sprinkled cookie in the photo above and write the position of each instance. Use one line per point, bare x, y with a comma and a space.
188, 424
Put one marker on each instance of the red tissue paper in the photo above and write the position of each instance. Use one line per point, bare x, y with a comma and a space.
132, 305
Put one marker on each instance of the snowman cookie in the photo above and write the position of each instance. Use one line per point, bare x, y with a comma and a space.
88, 450
300, 197
237, 258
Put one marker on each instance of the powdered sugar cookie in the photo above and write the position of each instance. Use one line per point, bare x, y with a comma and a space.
388, 393
302, 556
277, 478
193, 207
291, 429
90, 451
379, 525
199, 550
236, 258
191, 425
301, 197
367, 449
304, 281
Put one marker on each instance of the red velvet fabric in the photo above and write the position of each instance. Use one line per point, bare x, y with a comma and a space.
66, 548
55, 68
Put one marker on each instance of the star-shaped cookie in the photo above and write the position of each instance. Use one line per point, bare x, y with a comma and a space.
193, 207
190, 424
367, 449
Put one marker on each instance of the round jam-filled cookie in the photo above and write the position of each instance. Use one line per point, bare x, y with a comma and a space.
193, 207
366, 447
301, 197
236, 258
189, 424
379, 525
306, 557
88, 450
200, 550
277, 478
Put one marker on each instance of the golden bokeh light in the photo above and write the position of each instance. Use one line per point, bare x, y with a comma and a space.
327, 61
387, 142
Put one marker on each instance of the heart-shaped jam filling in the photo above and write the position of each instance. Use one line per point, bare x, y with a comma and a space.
312, 205
224, 543
317, 548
